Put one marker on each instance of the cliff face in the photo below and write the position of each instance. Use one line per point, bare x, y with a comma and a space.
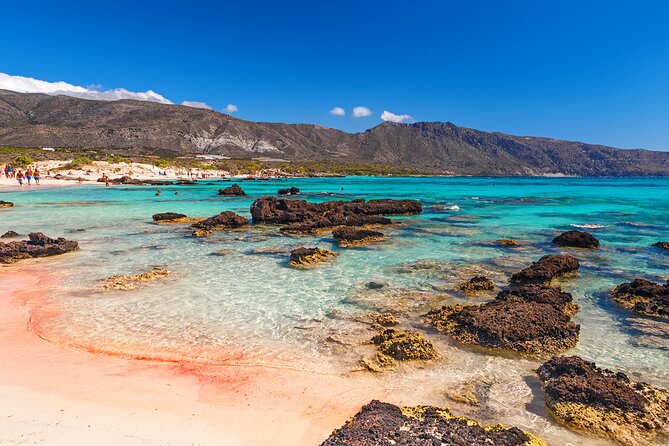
36, 120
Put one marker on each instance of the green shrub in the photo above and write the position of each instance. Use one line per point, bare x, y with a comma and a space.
23, 161
162, 163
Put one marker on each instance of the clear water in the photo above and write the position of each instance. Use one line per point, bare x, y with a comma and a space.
248, 306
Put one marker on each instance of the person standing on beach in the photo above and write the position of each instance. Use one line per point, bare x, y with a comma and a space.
29, 175
19, 178
36, 176
10, 171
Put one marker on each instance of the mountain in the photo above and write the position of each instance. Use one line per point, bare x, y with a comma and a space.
37, 120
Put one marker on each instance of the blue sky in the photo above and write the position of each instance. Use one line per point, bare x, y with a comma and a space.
596, 71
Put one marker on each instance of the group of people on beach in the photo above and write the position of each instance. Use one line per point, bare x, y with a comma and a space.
29, 175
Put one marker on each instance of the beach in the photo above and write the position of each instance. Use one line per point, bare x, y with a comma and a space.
234, 346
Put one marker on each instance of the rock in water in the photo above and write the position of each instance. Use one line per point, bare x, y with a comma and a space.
289, 191
477, 284
38, 245
541, 294
9, 234
507, 242
170, 217
127, 282
234, 190
577, 239
404, 345
306, 257
644, 297
126, 180
662, 245
382, 424
604, 403
224, 220
545, 270
347, 236
6, 204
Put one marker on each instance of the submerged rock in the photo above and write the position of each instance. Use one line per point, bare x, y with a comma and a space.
381, 424
302, 216
662, 245
526, 324
9, 234
306, 257
224, 220
348, 236
477, 284
544, 270
507, 242
128, 282
644, 297
604, 403
289, 191
38, 245
234, 190
6, 204
577, 239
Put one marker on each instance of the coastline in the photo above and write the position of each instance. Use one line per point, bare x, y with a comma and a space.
81, 395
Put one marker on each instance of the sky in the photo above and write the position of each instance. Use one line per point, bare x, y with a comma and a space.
593, 71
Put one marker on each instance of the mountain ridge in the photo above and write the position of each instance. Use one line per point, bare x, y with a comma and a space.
38, 120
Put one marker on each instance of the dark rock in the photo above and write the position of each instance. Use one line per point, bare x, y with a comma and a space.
602, 402
9, 234
662, 245
381, 424
6, 204
545, 270
38, 245
306, 257
233, 190
644, 297
126, 180
158, 182
289, 191
186, 182
168, 216
303, 216
529, 327
376, 285
477, 284
541, 294
224, 220
347, 236
577, 239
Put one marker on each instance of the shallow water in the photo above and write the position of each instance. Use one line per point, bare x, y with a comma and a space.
249, 306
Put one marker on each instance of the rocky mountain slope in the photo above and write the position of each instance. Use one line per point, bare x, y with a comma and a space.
36, 120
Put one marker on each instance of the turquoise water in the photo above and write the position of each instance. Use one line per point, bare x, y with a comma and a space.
249, 306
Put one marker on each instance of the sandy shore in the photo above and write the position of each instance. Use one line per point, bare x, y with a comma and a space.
55, 396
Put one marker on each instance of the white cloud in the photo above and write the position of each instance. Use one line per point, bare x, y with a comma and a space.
337, 111
29, 85
392, 117
361, 112
196, 104
230, 109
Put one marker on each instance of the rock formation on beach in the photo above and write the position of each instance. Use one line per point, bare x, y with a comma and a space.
302, 216
235, 190
6, 204
128, 282
544, 270
644, 297
381, 424
477, 284
124, 180
38, 245
308, 257
173, 218
541, 294
348, 237
9, 234
224, 220
289, 191
604, 403
577, 239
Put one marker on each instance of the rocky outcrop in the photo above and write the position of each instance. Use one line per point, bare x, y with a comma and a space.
224, 220
235, 190
348, 237
172, 217
403, 345
541, 294
289, 191
545, 270
477, 284
125, 179
308, 257
6, 204
380, 424
9, 234
644, 297
128, 282
303, 217
662, 245
604, 403
38, 245
577, 239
